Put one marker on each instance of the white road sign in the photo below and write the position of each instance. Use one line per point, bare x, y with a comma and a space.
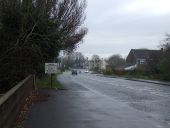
50, 68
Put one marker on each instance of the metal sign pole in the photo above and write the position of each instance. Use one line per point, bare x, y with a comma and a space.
51, 80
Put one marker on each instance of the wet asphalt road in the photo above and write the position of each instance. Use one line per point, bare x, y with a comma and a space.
91, 101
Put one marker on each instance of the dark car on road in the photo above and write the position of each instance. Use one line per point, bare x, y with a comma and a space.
74, 72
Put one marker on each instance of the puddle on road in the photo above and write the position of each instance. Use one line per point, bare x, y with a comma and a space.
141, 107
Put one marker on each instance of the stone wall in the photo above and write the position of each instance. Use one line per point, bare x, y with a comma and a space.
11, 102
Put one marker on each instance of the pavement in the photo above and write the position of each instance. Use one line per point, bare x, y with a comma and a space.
91, 101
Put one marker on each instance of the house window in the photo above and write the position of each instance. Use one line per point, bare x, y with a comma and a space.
142, 61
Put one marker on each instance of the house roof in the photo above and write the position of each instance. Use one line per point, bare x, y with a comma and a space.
146, 54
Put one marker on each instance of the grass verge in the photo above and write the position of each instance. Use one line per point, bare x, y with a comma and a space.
45, 82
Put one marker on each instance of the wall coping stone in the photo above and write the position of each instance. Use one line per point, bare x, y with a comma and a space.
12, 91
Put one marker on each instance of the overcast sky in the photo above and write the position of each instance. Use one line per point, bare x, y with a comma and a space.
116, 26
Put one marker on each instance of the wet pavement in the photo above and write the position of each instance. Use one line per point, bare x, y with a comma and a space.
91, 101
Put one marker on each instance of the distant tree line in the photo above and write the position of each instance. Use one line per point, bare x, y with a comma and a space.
33, 32
107, 66
72, 60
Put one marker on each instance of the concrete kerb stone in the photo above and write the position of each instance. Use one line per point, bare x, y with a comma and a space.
148, 81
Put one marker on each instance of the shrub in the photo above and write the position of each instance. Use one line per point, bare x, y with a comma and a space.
108, 71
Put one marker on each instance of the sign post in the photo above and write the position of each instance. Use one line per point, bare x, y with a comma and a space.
51, 81
51, 68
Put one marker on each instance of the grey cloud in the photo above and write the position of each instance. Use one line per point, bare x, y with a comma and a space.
113, 31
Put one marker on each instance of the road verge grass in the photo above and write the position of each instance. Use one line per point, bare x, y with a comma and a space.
45, 82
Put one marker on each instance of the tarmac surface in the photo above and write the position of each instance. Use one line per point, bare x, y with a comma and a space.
91, 101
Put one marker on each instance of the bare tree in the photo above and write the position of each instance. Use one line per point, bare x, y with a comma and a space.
95, 63
115, 61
